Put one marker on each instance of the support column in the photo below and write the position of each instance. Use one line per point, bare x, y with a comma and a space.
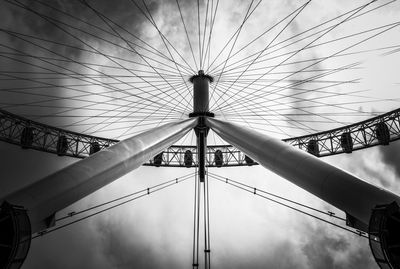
33, 208
368, 208
337, 187
44, 198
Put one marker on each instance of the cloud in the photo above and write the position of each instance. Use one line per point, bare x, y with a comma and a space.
73, 42
282, 255
73, 247
377, 165
122, 251
327, 249
65, 22
390, 155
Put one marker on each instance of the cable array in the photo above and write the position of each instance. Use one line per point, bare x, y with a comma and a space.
287, 203
286, 80
124, 200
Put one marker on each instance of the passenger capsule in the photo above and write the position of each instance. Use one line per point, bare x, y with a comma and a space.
382, 133
249, 161
158, 159
94, 147
27, 137
312, 147
188, 158
346, 142
62, 145
218, 158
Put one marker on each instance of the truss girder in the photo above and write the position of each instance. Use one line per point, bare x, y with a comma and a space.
46, 138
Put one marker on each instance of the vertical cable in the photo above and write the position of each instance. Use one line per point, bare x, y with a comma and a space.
207, 247
205, 224
198, 26
195, 260
198, 218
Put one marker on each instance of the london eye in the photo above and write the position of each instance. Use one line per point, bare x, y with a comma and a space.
247, 134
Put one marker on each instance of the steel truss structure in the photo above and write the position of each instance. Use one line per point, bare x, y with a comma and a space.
31, 134
379, 130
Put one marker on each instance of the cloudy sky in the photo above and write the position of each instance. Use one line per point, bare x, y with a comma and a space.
102, 69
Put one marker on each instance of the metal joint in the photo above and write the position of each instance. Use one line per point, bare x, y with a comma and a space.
201, 75
201, 131
201, 114
201, 127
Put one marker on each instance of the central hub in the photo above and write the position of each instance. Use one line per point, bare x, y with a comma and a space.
201, 99
201, 103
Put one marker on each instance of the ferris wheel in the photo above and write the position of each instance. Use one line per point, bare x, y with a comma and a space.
199, 85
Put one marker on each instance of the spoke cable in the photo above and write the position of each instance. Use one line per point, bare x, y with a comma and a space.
257, 192
144, 192
299, 10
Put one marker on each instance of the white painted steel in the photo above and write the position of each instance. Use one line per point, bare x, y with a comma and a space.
337, 187
55, 192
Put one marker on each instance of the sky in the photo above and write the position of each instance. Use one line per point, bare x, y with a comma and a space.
156, 231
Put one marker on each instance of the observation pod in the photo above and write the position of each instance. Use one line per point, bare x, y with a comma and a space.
346, 142
382, 133
158, 159
15, 236
94, 147
249, 161
367, 207
313, 147
188, 158
62, 145
218, 158
27, 136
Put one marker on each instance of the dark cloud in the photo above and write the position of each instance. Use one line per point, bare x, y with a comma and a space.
325, 249
377, 175
123, 252
378, 165
62, 32
66, 22
391, 157
72, 248
283, 255
21, 167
